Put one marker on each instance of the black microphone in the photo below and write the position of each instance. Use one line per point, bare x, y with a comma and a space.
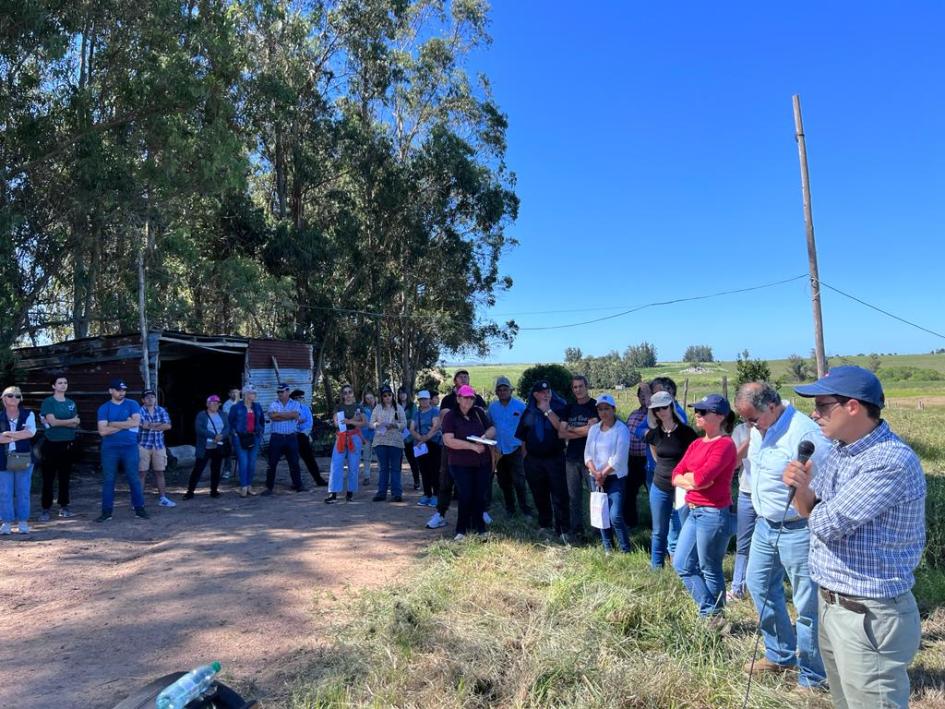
805, 449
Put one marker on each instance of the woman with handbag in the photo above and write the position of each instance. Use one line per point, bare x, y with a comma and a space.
17, 427
212, 431
606, 456
247, 424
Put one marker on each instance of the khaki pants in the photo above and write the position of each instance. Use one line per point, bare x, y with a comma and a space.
866, 656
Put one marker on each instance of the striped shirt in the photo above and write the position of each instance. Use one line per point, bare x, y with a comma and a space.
153, 440
289, 427
867, 532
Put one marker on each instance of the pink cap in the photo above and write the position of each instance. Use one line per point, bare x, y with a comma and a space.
213, 397
466, 390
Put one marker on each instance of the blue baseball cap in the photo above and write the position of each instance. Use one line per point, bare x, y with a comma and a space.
849, 381
714, 403
606, 399
117, 383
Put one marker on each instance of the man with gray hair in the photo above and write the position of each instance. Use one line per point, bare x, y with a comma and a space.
780, 543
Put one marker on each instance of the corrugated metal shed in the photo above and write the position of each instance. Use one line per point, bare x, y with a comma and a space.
266, 381
290, 355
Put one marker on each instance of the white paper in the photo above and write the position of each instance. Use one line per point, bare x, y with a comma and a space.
405, 434
420, 449
484, 441
340, 418
680, 500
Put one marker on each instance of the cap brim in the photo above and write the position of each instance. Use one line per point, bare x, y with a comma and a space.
815, 389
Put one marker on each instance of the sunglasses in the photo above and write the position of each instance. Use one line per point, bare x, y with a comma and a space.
703, 412
13, 396
660, 408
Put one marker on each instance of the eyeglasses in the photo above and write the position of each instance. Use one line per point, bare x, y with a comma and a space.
13, 396
660, 408
826, 407
703, 412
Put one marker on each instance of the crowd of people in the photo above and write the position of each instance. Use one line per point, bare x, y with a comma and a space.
842, 523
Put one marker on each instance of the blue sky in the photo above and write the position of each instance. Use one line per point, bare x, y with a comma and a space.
655, 155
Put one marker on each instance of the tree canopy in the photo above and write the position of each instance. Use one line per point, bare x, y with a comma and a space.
327, 171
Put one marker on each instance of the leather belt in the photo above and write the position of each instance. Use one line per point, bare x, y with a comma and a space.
833, 598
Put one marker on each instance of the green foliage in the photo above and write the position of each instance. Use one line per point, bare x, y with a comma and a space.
909, 374
558, 376
935, 522
799, 368
750, 370
641, 356
608, 371
573, 355
698, 354
874, 363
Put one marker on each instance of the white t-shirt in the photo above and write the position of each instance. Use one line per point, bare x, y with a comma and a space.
741, 434
29, 425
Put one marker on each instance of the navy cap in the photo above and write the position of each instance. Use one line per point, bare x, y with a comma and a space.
148, 392
714, 403
283, 387
297, 393
849, 381
117, 383
541, 385
386, 390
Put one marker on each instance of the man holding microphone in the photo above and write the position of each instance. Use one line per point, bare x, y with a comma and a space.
865, 510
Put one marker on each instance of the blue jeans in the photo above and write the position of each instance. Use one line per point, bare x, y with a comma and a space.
699, 553
127, 458
388, 470
661, 507
336, 478
767, 561
615, 488
245, 461
15, 493
744, 529
676, 521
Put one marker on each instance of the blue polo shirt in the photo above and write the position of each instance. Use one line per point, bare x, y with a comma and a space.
770, 455
506, 418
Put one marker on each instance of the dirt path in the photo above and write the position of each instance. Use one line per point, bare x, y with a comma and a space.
90, 612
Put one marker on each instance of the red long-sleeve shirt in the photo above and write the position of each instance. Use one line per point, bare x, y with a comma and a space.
712, 463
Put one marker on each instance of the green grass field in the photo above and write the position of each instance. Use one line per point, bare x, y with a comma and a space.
520, 621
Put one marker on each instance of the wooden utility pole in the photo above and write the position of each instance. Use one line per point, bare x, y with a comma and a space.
142, 306
819, 351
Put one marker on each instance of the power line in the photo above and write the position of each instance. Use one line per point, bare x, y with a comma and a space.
669, 302
880, 310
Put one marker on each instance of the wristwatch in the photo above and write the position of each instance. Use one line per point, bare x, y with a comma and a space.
548, 413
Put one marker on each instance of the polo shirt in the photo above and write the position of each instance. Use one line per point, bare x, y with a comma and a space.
505, 417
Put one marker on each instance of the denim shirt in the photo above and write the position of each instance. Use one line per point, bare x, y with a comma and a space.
506, 418
237, 419
769, 457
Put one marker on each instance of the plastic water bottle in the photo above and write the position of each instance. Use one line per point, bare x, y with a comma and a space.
188, 688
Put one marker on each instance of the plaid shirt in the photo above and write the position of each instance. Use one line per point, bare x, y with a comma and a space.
152, 439
867, 532
637, 442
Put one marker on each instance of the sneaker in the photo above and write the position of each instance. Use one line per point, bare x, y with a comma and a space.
331, 499
251, 492
141, 513
23, 528
397, 498
436, 521
226, 475
459, 537
265, 493
188, 495
379, 498
433, 502
167, 502
5, 528
244, 491
104, 517
66, 512
416, 486
214, 493
44, 516
320, 482
349, 496
487, 518
423, 501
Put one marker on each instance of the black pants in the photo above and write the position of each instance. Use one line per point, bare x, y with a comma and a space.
471, 484
308, 457
57, 465
444, 493
636, 478
412, 462
215, 457
430, 469
548, 480
288, 445
510, 471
